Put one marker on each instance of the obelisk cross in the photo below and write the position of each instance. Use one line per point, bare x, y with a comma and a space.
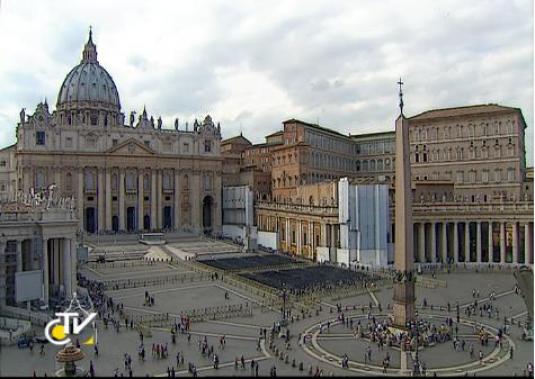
400, 96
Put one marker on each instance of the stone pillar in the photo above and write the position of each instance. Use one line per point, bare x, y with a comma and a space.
478, 242
109, 214
455, 243
528, 247
323, 235
80, 200
312, 241
467, 241
159, 205
218, 203
491, 244
121, 200
433, 243
287, 238
177, 200
153, 200
502, 242
444, 242
515, 243
421, 242
299, 241
45, 270
101, 194
140, 194
196, 202
2, 260
74, 265
19, 256
67, 267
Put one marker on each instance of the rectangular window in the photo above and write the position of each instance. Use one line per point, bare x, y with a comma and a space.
68, 142
485, 176
186, 148
147, 143
114, 142
39, 138
460, 177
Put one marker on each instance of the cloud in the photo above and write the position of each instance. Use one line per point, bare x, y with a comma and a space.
253, 64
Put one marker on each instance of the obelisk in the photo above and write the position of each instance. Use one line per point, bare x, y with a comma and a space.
404, 296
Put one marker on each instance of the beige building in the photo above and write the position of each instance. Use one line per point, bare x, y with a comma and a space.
472, 193
8, 173
130, 177
37, 250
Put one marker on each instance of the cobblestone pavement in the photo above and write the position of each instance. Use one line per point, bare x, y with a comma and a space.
241, 333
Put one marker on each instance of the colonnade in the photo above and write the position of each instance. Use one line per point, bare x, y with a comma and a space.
473, 241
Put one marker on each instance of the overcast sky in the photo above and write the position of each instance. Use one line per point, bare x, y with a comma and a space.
253, 64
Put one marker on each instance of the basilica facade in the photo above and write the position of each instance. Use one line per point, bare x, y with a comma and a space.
129, 175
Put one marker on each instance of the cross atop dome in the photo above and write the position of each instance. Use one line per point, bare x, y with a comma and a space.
89, 54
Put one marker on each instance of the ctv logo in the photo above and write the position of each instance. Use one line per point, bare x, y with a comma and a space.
59, 329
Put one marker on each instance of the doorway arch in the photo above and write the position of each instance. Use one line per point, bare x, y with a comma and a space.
115, 224
207, 207
146, 222
90, 220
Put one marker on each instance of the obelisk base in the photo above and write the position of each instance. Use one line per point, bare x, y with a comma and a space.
404, 299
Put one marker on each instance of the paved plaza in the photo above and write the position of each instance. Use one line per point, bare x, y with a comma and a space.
225, 306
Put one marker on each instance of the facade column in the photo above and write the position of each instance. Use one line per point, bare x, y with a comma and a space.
421, 242
45, 270
323, 235
299, 241
218, 203
467, 241
444, 242
196, 206
153, 200
159, 199
455, 243
19, 256
67, 267
288, 242
433, 243
478, 242
177, 200
80, 200
100, 201
528, 248
502, 242
109, 214
140, 198
312, 241
121, 200
491, 244
515, 243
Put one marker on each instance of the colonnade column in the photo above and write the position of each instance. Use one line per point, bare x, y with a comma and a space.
121, 200
19, 256
528, 248
444, 242
311, 234
515, 243
287, 237
140, 199
323, 235
421, 242
478, 242
467, 241
108, 200
502, 242
433, 243
45, 270
491, 244
153, 200
100, 201
455, 243
177, 200
67, 267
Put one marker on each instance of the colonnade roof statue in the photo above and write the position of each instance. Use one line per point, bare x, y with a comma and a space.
404, 292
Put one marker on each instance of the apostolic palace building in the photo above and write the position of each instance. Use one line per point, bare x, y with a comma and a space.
126, 175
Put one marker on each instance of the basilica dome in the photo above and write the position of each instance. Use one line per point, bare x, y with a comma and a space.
89, 84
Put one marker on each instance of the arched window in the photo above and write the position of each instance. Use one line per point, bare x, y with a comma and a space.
130, 181
40, 179
114, 182
90, 184
68, 182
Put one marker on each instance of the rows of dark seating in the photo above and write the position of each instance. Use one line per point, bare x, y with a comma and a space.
251, 261
312, 278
